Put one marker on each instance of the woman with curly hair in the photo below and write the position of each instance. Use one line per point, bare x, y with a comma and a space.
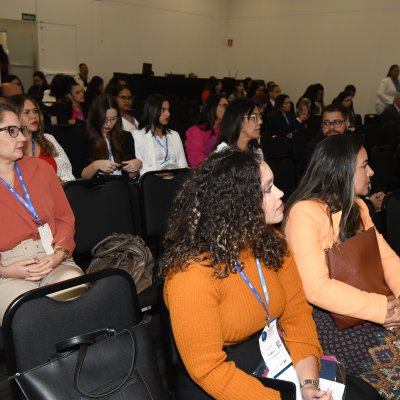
39, 144
220, 237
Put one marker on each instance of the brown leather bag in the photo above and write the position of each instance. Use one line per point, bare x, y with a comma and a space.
127, 252
357, 262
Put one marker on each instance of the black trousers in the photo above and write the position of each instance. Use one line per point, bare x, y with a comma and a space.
247, 357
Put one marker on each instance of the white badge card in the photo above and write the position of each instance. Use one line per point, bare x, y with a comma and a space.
46, 238
273, 351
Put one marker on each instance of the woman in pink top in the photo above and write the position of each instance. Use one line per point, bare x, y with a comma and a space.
324, 210
201, 138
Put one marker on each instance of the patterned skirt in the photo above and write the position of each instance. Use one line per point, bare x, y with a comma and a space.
368, 351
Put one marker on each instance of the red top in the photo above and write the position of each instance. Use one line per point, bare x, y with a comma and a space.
50, 203
49, 159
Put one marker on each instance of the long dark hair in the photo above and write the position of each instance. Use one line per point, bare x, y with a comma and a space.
151, 113
95, 122
18, 102
217, 214
231, 124
92, 89
330, 179
392, 67
208, 115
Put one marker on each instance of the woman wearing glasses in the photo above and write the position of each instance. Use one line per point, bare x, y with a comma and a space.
39, 144
241, 127
201, 138
111, 150
157, 146
124, 98
37, 223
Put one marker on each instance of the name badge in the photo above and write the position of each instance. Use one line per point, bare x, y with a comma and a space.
273, 351
46, 238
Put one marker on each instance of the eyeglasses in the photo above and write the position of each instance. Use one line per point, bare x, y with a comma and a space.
111, 119
34, 111
125, 98
14, 131
254, 117
336, 123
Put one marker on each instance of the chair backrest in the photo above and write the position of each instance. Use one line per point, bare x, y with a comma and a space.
372, 119
72, 139
101, 206
275, 145
383, 163
391, 220
285, 174
156, 195
33, 322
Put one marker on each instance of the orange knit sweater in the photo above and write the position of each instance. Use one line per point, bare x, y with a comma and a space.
208, 313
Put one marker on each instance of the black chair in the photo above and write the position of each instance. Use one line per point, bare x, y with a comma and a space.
72, 139
33, 322
372, 119
382, 161
301, 139
101, 207
285, 174
275, 145
156, 192
374, 135
391, 220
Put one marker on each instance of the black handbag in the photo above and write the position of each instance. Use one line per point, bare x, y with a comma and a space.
119, 366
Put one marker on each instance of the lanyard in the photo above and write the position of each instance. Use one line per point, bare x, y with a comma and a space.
253, 289
164, 147
26, 203
33, 146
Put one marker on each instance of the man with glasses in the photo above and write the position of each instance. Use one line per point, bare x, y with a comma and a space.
333, 122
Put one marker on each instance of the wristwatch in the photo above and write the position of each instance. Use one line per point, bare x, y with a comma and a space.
313, 382
64, 250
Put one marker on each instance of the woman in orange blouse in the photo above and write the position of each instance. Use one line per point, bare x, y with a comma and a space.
221, 222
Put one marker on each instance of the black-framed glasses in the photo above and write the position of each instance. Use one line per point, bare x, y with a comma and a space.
336, 123
14, 131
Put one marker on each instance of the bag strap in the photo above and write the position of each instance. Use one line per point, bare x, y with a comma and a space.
96, 252
87, 338
81, 359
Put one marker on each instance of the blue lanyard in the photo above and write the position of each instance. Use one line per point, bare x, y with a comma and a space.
26, 203
253, 289
164, 147
33, 147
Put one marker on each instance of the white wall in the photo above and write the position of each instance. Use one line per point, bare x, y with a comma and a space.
175, 36
296, 43
293, 42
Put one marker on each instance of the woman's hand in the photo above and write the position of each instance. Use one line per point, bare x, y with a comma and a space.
310, 392
18, 269
377, 199
44, 266
106, 166
132, 166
